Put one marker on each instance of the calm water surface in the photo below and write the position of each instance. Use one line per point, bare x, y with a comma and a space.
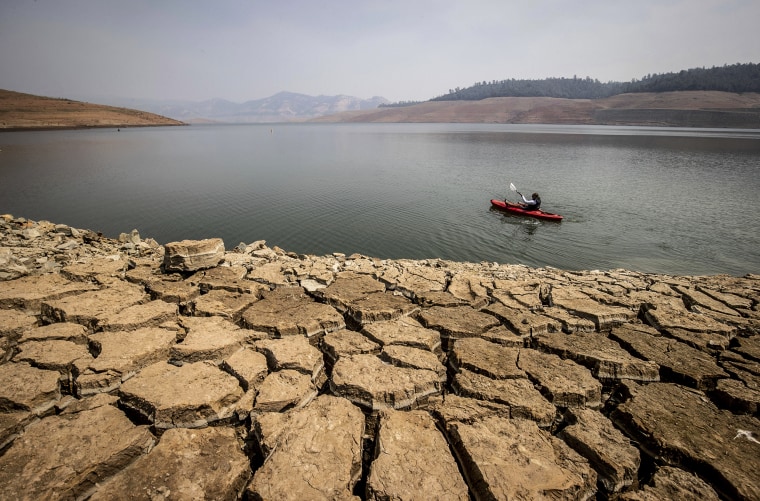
681, 201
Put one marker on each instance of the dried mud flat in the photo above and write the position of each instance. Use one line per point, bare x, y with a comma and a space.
133, 370
20, 111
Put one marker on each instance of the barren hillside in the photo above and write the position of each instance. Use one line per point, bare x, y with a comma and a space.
675, 109
26, 111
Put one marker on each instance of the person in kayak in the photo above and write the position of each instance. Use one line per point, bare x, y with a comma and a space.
533, 204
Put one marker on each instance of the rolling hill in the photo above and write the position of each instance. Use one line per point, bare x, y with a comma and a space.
665, 109
20, 111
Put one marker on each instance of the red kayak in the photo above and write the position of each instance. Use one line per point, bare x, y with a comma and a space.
519, 211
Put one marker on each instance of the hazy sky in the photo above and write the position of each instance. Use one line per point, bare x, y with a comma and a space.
399, 49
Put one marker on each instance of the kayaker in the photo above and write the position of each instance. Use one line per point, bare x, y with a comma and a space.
533, 204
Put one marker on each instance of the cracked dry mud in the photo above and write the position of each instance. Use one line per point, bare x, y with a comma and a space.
132, 370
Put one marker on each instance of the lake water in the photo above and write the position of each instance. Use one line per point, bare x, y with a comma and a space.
679, 201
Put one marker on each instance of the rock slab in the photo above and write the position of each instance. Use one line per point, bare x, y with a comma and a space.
315, 452
514, 459
193, 255
63, 457
186, 464
413, 461
716, 442
191, 396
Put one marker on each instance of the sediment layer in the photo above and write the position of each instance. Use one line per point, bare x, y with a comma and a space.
137, 370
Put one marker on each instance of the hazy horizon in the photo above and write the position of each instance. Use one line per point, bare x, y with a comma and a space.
402, 51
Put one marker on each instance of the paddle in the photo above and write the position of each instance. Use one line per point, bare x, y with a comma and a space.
512, 187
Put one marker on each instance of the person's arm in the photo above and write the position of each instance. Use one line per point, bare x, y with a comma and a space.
529, 202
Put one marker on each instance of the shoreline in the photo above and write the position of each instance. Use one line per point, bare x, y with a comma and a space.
82, 127
414, 374
698, 109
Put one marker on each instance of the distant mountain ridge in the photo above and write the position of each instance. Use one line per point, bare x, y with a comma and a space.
281, 107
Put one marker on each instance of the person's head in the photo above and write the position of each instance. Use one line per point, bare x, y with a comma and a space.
534, 196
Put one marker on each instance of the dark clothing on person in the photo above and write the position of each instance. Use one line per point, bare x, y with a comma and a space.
531, 204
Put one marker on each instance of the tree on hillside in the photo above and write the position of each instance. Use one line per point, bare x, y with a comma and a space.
728, 78
734, 78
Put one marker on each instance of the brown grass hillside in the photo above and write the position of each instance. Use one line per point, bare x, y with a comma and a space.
25, 111
674, 109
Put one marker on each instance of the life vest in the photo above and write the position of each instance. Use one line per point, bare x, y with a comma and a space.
538, 203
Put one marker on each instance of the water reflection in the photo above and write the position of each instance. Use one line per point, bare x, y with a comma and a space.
521, 225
